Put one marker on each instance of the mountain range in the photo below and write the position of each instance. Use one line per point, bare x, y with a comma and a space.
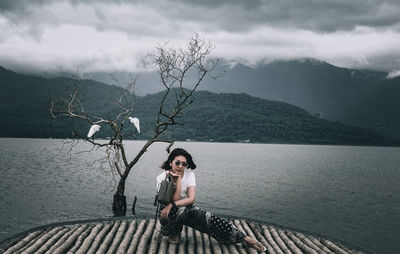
225, 117
356, 97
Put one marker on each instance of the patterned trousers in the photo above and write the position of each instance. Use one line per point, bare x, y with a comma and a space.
203, 221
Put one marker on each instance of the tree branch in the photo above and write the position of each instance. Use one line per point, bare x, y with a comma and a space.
174, 65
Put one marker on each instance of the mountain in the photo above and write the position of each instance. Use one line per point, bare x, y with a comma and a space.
231, 117
356, 97
25, 102
351, 96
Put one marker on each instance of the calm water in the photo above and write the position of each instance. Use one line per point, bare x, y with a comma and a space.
348, 193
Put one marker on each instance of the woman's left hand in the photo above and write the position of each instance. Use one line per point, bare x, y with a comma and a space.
175, 177
165, 212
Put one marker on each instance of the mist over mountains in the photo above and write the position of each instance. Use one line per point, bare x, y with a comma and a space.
357, 97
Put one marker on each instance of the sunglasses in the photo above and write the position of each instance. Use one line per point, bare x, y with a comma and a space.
184, 164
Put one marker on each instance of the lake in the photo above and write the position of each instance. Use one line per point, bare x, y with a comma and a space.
350, 193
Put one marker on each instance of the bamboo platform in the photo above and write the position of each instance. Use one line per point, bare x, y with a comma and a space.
143, 236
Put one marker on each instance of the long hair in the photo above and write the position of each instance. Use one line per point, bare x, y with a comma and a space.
178, 152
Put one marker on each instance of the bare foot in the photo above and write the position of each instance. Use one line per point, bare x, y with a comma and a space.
254, 244
174, 239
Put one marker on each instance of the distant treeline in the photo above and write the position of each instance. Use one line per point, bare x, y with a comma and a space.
25, 103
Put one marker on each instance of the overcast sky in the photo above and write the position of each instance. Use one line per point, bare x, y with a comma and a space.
93, 35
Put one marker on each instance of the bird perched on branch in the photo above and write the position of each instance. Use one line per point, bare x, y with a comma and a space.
135, 122
93, 129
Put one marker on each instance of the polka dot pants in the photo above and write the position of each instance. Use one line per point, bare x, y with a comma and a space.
203, 221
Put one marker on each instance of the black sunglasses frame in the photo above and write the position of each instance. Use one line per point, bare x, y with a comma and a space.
184, 164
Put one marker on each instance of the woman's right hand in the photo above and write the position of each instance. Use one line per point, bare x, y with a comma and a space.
165, 211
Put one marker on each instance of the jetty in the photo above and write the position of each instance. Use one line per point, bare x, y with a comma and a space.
143, 235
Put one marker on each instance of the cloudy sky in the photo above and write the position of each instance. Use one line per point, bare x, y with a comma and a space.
97, 35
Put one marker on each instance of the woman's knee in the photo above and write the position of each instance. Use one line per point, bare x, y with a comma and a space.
181, 214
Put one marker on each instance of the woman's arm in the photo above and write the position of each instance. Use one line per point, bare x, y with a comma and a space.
177, 180
191, 197
191, 192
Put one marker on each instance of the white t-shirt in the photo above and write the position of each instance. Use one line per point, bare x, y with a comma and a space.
187, 180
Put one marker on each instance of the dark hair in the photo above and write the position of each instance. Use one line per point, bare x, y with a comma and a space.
178, 152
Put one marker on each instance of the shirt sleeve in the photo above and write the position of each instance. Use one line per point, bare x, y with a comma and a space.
191, 180
160, 178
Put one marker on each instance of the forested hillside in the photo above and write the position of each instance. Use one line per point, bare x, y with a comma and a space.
355, 97
25, 103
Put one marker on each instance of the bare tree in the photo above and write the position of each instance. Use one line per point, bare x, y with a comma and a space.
181, 71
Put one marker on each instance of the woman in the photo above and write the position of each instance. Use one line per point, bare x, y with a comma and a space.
181, 211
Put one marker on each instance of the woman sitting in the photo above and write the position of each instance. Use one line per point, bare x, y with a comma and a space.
182, 211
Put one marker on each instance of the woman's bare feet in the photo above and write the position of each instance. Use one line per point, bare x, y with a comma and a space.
174, 239
254, 244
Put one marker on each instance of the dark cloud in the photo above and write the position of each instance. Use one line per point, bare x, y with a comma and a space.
237, 15
20, 5
336, 30
322, 16
248, 5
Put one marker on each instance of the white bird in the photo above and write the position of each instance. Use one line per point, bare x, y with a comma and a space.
93, 129
135, 122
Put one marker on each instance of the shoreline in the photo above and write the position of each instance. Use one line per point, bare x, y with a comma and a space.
227, 142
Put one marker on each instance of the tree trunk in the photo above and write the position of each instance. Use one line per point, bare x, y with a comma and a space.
119, 202
134, 206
